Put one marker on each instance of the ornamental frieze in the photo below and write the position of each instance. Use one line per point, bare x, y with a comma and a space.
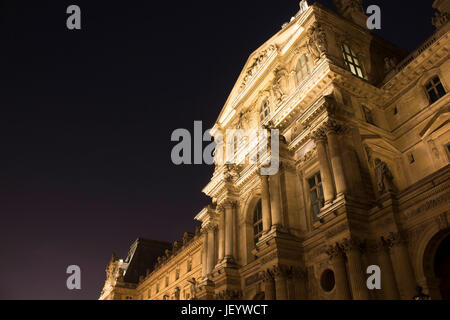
429, 205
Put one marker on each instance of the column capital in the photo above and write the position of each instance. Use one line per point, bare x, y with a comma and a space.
393, 239
266, 275
281, 270
331, 126
351, 244
318, 136
228, 203
334, 251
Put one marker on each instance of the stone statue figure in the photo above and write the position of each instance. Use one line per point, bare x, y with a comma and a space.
389, 64
176, 294
193, 288
317, 43
384, 177
303, 6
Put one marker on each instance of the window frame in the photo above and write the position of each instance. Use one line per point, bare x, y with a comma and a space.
264, 110
257, 223
434, 88
299, 68
318, 188
354, 61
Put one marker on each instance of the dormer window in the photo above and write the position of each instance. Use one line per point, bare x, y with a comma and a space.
435, 89
264, 110
303, 67
351, 61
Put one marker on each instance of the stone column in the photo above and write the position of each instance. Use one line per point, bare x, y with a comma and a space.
269, 285
279, 273
331, 129
204, 255
229, 220
221, 237
275, 201
325, 172
211, 249
265, 204
340, 274
388, 282
352, 248
402, 266
299, 277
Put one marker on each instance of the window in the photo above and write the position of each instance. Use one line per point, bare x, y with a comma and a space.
177, 274
316, 194
435, 89
264, 110
351, 61
303, 67
167, 282
157, 288
149, 294
257, 222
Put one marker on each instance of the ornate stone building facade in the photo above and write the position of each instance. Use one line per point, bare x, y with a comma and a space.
363, 178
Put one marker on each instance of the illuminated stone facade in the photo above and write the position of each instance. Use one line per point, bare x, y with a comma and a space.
364, 176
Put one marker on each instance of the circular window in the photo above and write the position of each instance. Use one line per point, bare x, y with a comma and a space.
327, 280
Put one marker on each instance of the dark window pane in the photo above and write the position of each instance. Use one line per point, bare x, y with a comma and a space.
440, 90
316, 209
314, 195
312, 182
433, 96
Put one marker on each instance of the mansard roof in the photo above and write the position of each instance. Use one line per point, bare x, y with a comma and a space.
143, 255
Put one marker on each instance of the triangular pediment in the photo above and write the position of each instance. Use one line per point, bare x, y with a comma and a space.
261, 62
440, 119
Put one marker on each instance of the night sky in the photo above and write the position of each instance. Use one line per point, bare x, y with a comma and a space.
86, 118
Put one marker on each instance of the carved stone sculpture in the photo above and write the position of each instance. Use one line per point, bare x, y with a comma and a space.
384, 177
317, 43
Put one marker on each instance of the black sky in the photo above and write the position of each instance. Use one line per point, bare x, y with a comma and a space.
86, 118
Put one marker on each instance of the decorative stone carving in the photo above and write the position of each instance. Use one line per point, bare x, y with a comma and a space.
256, 64
334, 251
281, 270
440, 19
344, 6
279, 86
193, 288
442, 221
317, 42
389, 64
318, 136
393, 239
266, 275
384, 177
176, 293
331, 126
229, 295
303, 6
348, 245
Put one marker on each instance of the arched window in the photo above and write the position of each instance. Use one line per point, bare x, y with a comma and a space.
351, 61
257, 222
264, 110
435, 89
303, 67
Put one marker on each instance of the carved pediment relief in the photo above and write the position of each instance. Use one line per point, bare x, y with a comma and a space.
256, 64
